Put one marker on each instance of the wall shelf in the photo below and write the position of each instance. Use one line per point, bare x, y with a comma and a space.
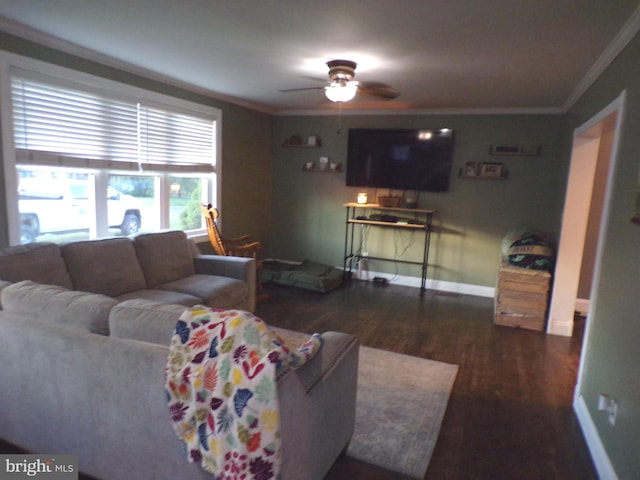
296, 141
315, 168
503, 176
289, 145
478, 177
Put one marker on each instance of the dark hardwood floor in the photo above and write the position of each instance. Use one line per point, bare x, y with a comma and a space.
510, 413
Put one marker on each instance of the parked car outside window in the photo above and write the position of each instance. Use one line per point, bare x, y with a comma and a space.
66, 207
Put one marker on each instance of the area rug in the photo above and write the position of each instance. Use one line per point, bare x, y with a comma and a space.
399, 409
400, 405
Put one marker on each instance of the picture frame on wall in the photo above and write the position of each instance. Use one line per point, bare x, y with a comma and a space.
470, 169
491, 170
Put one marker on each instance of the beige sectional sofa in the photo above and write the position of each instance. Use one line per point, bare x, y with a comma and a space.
83, 371
66, 388
165, 267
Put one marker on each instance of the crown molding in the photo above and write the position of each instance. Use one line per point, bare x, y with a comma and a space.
621, 40
422, 111
30, 34
619, 43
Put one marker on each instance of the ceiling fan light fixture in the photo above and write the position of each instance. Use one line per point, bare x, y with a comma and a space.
341, 91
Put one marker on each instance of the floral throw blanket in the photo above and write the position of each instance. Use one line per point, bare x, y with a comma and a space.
222, 394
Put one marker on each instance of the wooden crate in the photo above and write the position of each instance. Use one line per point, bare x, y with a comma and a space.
520, 321
522, 297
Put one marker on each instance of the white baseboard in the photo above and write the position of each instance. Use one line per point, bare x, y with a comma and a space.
598, 454
564, 329
582, 306
431, 284
440, 285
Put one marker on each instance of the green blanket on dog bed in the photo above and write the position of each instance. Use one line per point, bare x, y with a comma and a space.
308, 275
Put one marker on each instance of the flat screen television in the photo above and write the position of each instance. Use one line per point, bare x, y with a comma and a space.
401, 159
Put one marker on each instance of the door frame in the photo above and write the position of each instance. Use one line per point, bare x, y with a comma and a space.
585, 154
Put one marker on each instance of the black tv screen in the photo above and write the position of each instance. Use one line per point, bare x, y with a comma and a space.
402, 159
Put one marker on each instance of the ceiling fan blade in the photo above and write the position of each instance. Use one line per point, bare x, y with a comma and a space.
289, 90
378, 89
314, 78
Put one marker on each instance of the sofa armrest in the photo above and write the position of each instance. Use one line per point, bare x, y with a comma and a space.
319, 399
334, 347
233, 267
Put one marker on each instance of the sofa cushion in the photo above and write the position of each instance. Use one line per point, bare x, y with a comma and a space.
109, 266
161, 296
51, 303
40, 262
3, 284
215, 291
145, 321
164, 257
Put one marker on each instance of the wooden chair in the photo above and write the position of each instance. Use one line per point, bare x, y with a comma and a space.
233, 247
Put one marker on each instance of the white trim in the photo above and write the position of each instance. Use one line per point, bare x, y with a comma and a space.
555, 327
41, 38
619, 105
588, 131
598, 453
438, 285
619, 43
346, 111
44, 39
10, 60
582, 306
8, 153
431, 284
616, 104
408, 281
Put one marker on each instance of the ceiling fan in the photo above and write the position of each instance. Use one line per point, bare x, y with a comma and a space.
342, 87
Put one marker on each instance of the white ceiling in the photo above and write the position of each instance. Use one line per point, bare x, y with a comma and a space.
447, 55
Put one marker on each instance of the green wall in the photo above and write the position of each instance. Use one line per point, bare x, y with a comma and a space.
472, 218
300, 215
246, 140
611, 358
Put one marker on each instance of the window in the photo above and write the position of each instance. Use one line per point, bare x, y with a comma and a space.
90, 158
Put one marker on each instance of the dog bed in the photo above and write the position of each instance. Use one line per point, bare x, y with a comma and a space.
308, 275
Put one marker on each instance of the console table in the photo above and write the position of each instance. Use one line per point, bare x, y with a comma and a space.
386, 217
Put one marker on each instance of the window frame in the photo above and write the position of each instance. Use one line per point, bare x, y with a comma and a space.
10, 163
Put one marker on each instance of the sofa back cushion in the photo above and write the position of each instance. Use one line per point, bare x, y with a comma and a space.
40, 262
109, 266
3, 285
54, 304
145, 321
164, 257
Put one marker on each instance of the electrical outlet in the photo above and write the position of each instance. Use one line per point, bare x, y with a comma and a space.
609, 405
613, 411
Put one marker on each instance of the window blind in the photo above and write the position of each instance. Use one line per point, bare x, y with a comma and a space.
168, 137
59, 123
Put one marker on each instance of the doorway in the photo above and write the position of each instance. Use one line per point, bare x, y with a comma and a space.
585, 212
